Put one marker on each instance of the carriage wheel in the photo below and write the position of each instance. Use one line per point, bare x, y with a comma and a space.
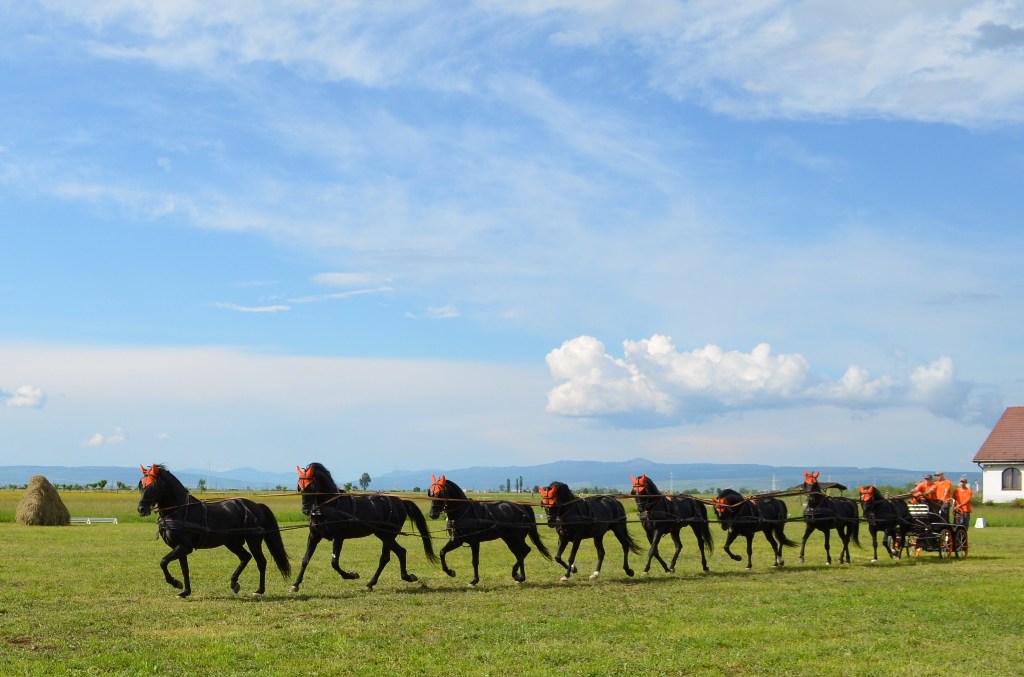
960, 542
945, 543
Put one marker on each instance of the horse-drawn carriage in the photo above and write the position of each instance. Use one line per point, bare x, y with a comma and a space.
929, 530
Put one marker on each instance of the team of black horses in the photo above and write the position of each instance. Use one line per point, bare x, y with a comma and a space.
243, 526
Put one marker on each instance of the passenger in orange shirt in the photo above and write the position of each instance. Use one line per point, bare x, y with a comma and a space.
922, 490
962, 496
942, 495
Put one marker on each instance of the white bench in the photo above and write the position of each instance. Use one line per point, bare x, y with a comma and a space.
94, 520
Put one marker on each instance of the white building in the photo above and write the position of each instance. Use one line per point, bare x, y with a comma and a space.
1001, 458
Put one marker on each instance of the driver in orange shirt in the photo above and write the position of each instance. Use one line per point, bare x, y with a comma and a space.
922, 490
942, 494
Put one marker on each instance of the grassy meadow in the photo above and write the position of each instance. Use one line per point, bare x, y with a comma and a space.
91, 599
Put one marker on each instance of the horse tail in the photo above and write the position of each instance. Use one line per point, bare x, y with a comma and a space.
855, 531
628, 541
539, 544
704, 526
275, 544
416, 515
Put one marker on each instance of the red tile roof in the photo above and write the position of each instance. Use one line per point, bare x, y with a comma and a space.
1006, 441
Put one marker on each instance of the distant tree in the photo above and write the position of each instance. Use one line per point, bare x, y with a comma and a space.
201, 484
364, 481
416, 490
349, 485
121, 485
508, 486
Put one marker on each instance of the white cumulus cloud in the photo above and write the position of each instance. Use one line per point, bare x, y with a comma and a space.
99, 439
25, 396
655, 384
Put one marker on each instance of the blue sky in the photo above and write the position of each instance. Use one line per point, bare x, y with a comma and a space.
435, 235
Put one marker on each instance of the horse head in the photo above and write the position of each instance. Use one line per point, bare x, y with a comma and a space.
642, 485
726, 501
439, 493
811, 481
868, 494
148, 486
549, 501
314, 482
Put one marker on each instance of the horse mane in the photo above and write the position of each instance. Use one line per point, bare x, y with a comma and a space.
563, 491
652, 486
453, 490
324, 475
731, 495
164, 474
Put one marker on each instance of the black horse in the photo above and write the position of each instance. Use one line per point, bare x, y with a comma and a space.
336, 515
662, 515
574, 519
824, 513
472, 521
188, 524
745, 517
891, 516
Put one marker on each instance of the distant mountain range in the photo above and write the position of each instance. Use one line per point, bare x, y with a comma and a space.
577, 474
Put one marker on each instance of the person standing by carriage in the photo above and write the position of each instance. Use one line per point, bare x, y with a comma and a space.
942, 495
962, 496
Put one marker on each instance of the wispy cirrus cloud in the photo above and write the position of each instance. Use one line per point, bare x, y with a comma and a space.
276, 308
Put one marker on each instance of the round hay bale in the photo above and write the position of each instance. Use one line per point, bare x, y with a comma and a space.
41, 505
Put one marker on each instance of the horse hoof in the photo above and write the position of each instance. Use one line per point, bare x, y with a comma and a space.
471, 584
257, 594
235, 587
451, 573
629, 572
294, 588
184, 593
563, 579
595, 575
874, 560
647, 572
411, 578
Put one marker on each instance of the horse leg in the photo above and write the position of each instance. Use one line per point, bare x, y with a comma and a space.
728, 541
828, 554
808, 530
562, 542
474, 549
180, 553
311, 543
385, 557
775, 543
400, 553
243, 559
448, 547
654, 537
520, 549
622, 534
336, 561
750, 550
571, 565
874, 543
599, 547
700, 544
256, 548
679, 548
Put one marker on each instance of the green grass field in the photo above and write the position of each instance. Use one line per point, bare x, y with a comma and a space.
92, 600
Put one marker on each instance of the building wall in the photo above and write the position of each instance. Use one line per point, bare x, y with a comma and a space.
992, 482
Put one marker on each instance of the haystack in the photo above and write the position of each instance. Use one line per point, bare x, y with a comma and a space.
41, 505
